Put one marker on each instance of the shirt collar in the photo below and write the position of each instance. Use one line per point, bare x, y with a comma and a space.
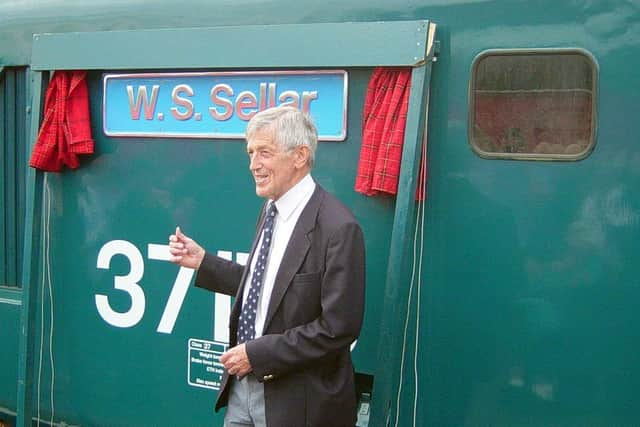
292, 198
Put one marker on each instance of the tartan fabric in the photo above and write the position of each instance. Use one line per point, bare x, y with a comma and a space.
66, 129
383, 125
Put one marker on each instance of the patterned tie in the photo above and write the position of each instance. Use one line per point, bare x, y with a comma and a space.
247, 323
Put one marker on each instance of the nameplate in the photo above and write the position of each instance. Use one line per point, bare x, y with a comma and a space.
219, 105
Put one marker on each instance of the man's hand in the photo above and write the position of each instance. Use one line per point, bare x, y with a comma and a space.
236, 361
185, 251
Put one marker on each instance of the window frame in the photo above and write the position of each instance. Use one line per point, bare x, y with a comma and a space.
533, 156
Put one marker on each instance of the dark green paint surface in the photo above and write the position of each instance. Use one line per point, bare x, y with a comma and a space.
530, 287
9, 313
138, 190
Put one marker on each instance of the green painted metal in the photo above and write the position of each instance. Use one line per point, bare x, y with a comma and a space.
527, 272
22, 103
10, 305
361, 45
9, 311
365, 346
399, 270
31, 262
530, 270
161, 184
53, 43
3, 172
13, 95
10, 295
10, 177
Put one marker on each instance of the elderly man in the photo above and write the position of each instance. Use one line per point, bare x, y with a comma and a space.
300, 298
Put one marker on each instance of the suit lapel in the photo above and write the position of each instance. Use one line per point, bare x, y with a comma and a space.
296, 251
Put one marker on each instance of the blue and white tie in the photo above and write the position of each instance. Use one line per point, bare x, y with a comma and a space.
247, 322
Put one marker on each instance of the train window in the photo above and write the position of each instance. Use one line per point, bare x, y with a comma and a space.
533, 105
13, 151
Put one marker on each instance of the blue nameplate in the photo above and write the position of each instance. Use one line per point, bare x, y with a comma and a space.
219, 105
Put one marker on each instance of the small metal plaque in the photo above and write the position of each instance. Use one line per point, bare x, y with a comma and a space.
204, 367
219, 105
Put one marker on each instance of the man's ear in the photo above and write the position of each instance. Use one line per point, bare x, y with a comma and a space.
301, 156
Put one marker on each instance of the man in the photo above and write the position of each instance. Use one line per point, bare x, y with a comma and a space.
300, 299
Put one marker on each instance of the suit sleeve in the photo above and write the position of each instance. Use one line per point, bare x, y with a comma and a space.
219, 275
342, 302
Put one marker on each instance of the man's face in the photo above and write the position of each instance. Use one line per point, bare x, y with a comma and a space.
274, 170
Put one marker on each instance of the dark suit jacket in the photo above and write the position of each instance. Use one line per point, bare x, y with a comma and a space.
315, 313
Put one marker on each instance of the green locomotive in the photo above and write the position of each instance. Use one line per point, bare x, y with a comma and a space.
508, 297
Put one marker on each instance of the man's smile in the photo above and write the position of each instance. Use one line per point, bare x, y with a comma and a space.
260, 179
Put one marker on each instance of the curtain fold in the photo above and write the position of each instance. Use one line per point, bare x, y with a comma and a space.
65, 132
383, 127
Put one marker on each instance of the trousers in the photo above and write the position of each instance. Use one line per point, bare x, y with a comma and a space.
246, 403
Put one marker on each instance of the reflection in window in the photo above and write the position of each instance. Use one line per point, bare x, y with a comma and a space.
533, 104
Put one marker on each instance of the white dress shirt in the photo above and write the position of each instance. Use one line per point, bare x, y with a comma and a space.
290, 206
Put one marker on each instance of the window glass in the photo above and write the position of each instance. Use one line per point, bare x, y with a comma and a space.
13, 149
533, 104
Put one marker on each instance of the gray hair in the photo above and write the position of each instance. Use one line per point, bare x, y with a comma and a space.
291, 128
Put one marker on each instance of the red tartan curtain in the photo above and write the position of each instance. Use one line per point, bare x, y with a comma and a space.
383, 125
66, 129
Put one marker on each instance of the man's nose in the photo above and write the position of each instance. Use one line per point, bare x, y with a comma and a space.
253, 162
